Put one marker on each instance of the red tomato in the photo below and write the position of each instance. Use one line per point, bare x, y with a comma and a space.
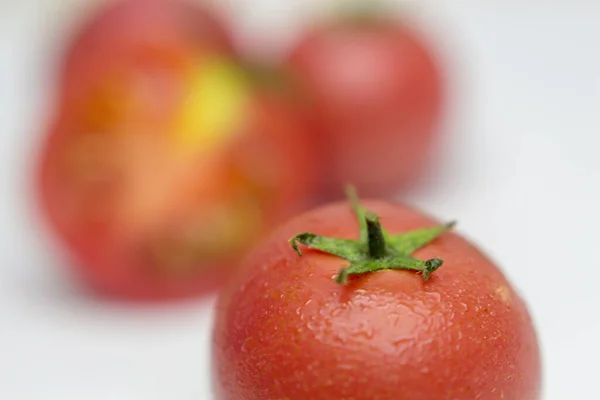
146, 219
158, 175
376, 91
144, 34
285, 329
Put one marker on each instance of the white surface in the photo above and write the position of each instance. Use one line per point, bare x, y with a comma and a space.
521, 175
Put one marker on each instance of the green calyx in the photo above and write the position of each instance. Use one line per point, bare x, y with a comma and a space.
359, 12
375, 249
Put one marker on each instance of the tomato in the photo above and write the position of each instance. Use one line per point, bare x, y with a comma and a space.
145, 217
145, 34
376, 91
158, 175
388, 327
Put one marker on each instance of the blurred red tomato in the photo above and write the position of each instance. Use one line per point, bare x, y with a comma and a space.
146, 34
159, 174
377, 95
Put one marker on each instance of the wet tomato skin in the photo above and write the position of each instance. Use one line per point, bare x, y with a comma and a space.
285, 330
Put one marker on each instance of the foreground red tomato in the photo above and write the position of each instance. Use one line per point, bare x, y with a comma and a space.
377, 94
158, 175
286, 329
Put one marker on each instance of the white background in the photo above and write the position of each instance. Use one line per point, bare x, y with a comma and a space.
520, 173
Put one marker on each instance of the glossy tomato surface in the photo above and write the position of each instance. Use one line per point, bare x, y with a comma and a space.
286, 330
159, 174
377, 93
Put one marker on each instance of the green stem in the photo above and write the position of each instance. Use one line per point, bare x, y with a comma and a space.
359, 211
376, 249
361, 12
375, 238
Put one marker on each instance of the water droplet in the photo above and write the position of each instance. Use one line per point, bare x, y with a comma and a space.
312, 326
246, 346
393, 319
435, 296
402, 340
346, 367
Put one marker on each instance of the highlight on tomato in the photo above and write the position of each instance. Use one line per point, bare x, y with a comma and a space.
372, 301
377, 92
168, 160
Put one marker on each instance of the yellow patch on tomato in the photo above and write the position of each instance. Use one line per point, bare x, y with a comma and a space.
214, 106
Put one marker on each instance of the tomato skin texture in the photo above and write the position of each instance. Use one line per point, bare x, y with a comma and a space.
377, 93
285, 330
